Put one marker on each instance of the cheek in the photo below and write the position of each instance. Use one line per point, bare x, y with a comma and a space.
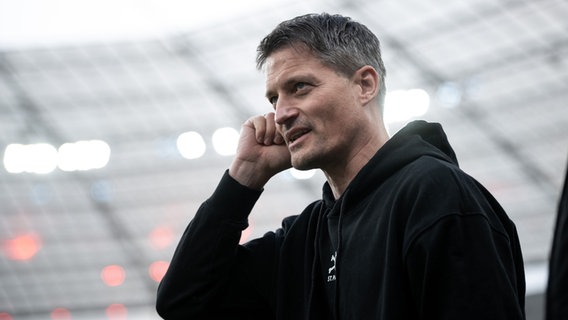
332, 114
336, 127
341, 116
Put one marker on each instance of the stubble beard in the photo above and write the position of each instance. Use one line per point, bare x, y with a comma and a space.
305, 160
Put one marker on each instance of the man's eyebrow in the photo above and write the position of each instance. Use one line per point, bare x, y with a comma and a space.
292, 80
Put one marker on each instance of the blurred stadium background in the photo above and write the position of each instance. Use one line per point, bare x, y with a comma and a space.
117, 118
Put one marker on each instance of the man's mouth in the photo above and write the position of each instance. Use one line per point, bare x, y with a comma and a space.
295, 134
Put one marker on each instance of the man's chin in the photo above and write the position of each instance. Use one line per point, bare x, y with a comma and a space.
302, 164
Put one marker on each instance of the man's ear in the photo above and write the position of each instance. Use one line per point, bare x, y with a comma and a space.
367, 79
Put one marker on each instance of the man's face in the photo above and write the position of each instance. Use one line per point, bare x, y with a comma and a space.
316, 108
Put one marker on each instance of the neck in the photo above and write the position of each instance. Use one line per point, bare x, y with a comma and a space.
340, 177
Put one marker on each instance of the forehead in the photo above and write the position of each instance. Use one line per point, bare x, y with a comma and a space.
288, 55
292, 61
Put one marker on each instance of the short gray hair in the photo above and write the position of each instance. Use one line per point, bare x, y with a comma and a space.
339, 42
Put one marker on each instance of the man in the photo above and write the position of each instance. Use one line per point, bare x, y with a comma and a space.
400, 233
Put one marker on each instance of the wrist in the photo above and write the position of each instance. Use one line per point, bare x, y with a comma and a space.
248, 175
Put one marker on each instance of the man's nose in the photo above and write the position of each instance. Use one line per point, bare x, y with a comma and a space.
284, 112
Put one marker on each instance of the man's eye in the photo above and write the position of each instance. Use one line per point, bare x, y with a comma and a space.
300, 85
273, 100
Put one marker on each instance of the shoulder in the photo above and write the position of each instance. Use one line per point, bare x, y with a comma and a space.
432, 180
439, 193
432, 189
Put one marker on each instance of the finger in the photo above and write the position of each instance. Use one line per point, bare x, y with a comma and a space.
272, 130
278, 139
271, 133
258, 124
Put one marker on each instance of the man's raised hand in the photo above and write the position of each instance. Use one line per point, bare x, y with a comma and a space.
261, 153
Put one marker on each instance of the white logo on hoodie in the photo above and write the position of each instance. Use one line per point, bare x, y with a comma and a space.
331, 271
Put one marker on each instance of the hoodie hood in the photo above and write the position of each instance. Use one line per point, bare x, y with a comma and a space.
431, 133
417, 139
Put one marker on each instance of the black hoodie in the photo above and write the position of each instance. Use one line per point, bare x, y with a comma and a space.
412, 237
